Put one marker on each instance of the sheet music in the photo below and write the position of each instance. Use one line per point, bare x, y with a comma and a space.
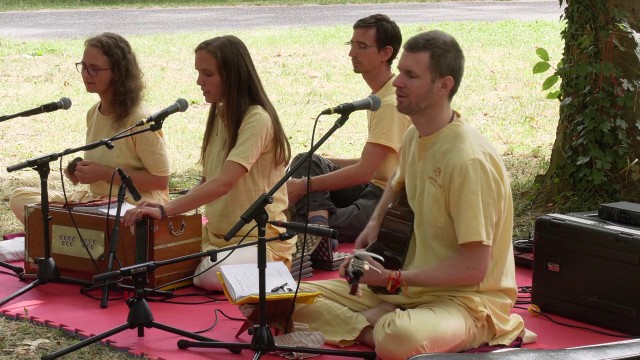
103, 209
242, 279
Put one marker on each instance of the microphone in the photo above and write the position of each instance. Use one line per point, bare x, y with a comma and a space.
128, 183
371, 102
310, 229
179, 106
64, 103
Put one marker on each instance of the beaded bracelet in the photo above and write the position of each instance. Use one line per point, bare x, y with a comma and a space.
394, 282
163, 214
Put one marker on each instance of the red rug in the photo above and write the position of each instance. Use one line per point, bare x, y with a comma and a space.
63, 306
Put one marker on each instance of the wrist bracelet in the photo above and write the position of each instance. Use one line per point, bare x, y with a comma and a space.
310, 183
394, 282
163, 214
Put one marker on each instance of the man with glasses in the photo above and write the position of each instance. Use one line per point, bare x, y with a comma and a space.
457, 286
344, 192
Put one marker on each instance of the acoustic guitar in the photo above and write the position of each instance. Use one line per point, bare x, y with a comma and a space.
395, 233
392, 243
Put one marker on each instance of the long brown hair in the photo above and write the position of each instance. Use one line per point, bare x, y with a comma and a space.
241, 88
127, 76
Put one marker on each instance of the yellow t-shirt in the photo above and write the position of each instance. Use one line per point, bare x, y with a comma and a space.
387, 127
255, 151
141, 151
458, 188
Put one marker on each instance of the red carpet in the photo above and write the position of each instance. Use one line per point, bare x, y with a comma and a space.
63, 306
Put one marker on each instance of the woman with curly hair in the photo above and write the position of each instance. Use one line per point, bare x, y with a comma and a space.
109, 68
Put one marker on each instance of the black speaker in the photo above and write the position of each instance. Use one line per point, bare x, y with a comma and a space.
587, 270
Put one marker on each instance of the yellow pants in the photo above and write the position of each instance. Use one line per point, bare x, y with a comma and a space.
23, 196
426, 325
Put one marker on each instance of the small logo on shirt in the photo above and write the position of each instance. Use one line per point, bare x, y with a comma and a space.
435, 178
437, 172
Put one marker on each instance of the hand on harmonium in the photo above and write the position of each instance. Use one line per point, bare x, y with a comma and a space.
355, 269
144, 209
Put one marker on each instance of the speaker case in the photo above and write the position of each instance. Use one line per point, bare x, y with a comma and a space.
587, 270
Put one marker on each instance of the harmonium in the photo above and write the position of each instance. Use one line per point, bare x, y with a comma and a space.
148, 241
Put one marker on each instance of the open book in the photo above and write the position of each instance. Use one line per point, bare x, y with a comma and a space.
240, 283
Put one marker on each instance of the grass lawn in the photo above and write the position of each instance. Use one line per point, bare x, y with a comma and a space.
305, 70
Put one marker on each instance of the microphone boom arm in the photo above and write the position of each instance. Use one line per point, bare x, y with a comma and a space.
32, 163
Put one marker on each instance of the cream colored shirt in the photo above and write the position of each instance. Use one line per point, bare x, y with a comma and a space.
142, 151
458, 188
387, 127
255, 151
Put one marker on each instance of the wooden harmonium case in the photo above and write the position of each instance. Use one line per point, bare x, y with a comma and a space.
152, 240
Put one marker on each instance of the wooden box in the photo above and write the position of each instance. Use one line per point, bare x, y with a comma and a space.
149, 240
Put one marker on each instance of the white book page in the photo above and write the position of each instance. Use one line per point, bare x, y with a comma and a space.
113, 208
242, 279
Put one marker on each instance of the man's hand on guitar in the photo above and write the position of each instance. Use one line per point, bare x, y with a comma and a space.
361, 268
368, 236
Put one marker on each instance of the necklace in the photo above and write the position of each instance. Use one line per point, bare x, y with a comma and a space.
452, 115
386, 81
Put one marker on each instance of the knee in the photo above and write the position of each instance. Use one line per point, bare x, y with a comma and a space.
297, 158
398, 344
206, 277
21, 197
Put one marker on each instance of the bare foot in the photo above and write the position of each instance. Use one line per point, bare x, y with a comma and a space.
375, 313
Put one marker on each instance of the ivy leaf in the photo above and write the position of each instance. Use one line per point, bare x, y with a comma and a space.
541, 67
583, 160
549, 82
542, 54
553, 95
599, 177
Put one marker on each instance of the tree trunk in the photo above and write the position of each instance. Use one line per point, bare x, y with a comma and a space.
598, 128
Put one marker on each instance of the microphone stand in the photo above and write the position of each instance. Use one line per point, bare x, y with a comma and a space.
140, 315
262, 341
16, 269
47, 268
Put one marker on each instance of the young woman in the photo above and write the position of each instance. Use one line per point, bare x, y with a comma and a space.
244, 153
109, 68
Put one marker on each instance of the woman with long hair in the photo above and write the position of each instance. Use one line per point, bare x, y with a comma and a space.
244, 154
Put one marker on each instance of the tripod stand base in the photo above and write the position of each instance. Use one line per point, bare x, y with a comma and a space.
16, 269
263, 343
139, 317
47, 272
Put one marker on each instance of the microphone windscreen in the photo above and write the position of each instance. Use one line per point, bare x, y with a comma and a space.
183, 105
375, 102
65, 103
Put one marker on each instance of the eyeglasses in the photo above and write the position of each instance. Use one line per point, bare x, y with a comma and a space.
91, 70
358, 45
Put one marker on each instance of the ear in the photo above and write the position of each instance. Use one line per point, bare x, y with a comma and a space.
446, 84
386, 52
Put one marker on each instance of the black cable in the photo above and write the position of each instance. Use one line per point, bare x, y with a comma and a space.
215, 322
524, 295
523, 245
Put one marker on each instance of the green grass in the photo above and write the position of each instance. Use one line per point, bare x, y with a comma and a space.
305, 70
